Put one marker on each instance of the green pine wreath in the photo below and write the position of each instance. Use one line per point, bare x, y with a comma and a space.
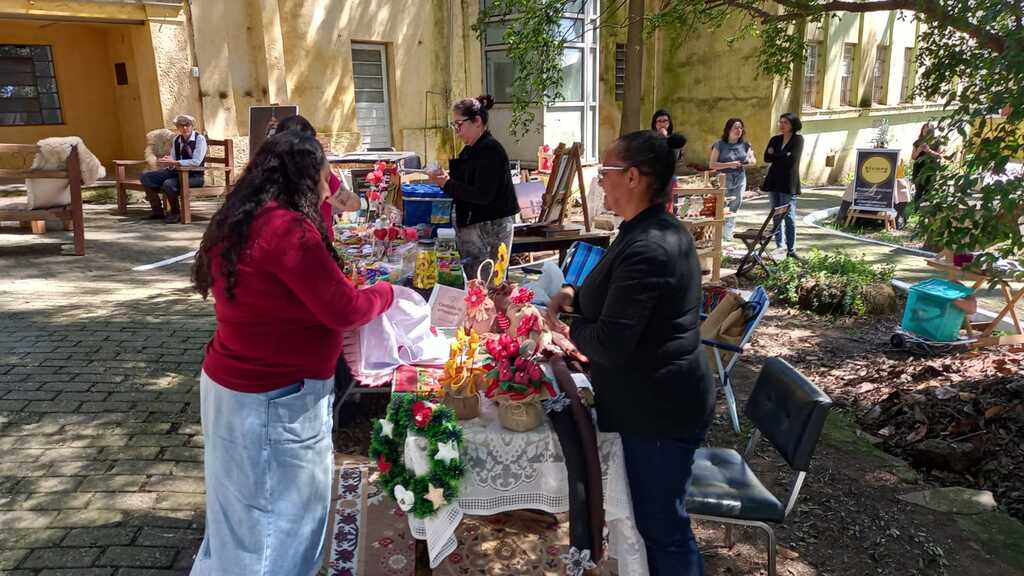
438, 424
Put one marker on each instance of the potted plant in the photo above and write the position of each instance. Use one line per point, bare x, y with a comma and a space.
516, 382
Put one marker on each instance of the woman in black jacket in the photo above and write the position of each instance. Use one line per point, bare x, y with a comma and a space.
481, 185
639, 325
783, 180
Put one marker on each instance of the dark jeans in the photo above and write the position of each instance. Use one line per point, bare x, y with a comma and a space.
789, 222
166, 180
659, 475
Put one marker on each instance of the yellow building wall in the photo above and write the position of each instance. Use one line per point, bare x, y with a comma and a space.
85, 84
298, 52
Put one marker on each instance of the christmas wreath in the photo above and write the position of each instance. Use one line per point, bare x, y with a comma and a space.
426, 493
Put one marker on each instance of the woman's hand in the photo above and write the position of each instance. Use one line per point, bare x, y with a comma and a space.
439, 178
560, 302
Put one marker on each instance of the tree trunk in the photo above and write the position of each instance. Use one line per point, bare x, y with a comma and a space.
632, 100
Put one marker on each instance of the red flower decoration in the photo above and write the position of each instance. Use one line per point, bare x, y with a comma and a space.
380, 234
475, 296
411, 235
503, 321
421, 413
521, 296
527, 325
393, 233
383, 465
373, 195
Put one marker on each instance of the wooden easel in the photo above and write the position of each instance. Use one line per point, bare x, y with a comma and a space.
565, 166
703, 226
886, 216
986, 328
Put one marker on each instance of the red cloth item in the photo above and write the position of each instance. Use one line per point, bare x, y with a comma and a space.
291, 305
326, 210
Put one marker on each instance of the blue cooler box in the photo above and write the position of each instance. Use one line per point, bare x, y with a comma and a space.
426, 204
930, 312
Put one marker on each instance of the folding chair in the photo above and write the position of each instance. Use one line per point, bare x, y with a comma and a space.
757, 241
580, 259
790, 411
758, 300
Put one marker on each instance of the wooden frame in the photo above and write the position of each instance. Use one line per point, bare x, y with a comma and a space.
566, 165
716, 223
223, 164
886, 216
71, 215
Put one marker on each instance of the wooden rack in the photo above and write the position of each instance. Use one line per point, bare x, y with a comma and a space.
706, 228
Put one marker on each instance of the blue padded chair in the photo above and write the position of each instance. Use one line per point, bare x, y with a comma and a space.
759, 300
790, 412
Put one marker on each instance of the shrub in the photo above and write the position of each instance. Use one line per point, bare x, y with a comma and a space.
827, 283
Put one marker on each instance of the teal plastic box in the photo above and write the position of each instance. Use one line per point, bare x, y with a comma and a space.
930, 312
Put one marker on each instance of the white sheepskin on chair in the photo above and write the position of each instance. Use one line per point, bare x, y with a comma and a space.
53, 155
158, 145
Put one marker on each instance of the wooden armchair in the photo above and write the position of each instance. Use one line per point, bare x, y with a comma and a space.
71, 215
224, 163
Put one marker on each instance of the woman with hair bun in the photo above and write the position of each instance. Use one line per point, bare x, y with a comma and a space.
480, 184
639, 324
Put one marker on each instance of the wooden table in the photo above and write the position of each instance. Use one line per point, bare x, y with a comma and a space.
985, 329
522, 244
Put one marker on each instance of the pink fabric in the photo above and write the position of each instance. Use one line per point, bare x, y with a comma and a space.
326, 210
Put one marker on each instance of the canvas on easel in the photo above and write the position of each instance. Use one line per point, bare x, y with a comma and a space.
566, 166
263, 122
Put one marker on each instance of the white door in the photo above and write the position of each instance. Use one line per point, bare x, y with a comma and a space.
370, 71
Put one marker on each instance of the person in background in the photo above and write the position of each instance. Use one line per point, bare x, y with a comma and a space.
661, 123
639, 324
188, 149
281, 303
731, 155
927, 157
341, 196
783, 179
481, 185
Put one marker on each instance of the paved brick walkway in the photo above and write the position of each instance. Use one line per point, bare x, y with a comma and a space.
100, 442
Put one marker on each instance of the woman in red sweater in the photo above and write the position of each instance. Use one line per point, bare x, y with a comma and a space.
267, 385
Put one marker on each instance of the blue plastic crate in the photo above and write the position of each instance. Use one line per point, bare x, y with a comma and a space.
426, 204
930, 312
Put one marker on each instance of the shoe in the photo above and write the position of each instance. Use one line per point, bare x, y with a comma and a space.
156, 216
172, 219
792, 254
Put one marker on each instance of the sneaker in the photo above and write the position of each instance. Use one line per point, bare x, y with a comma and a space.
792, 254
156, 216
172, 219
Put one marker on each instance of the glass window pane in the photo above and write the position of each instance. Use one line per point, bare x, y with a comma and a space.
369, 83
49, 101
44, 69
571, 29
33, 118
10, 91
500, 73
41, 53
15, 50
576, 6
47, 84
595, 72
16, 66
362, 55
495, 33
561, 125
19, 105
370, 96
52, 117
366, 70
572, 75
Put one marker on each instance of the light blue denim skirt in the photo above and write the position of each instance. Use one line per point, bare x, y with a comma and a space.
268, 463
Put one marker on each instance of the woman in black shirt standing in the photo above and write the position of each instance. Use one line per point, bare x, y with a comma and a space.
481, 185
639, 325
783, 180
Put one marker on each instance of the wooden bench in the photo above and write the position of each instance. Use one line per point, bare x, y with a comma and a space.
71, 215
224, 163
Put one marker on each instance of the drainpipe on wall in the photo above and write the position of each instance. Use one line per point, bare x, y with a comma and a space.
195, 62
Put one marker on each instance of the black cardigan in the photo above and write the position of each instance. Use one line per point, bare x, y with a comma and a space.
481, 183
784, 173
639, 325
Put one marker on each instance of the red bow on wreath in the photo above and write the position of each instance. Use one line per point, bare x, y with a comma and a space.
422, 412
383, 465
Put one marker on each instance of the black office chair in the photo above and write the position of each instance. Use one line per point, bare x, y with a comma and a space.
790, 412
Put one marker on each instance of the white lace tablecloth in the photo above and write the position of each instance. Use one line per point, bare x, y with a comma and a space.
508, 470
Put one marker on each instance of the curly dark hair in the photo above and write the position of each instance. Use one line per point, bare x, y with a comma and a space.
286, 168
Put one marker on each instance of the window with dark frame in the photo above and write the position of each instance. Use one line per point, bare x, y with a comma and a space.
28, 86
811, 67
620, 72
846, 77
879, 82
907, 87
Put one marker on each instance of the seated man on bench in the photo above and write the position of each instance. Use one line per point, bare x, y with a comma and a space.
189, 149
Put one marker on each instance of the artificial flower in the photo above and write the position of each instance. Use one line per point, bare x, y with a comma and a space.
527, 324
383, 465
422, 413
521, 296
